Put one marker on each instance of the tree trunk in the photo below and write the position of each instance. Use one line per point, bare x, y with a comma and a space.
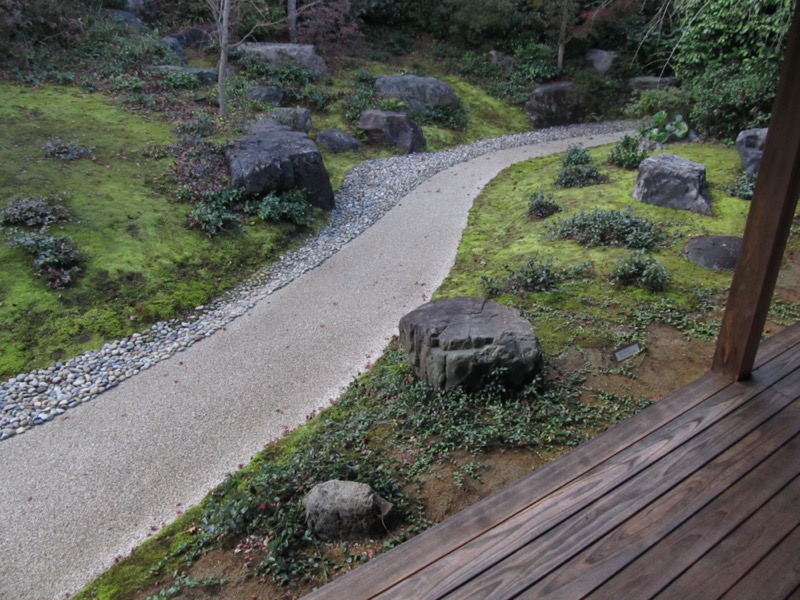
224, 39
291, 14
566, 10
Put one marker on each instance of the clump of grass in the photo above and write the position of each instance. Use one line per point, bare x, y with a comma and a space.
600, 227
536, 275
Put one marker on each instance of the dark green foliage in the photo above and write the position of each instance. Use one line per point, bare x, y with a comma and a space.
742, 187
56, 258
671, 100
454, 117
289, 206
642, 271
610, 228
578, 169
34, 212
538, 275
215, 213
58, 148
728, 101
542, 205
627, 154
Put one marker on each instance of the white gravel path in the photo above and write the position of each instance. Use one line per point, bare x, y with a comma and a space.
89, 485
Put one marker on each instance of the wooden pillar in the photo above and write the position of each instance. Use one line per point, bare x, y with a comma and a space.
768, 225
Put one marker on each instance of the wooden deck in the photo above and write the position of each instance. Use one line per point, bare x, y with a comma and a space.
696, 497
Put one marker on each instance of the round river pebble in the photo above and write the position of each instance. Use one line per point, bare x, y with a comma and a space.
368, 192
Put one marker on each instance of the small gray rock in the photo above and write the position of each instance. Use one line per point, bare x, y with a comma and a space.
268, 94
647, 82
205, 76
602, 60
298, 119
345, 510
392, 129
173, 44
337, 141
303, 55
420, 93
126, 18
551, 104
715, 252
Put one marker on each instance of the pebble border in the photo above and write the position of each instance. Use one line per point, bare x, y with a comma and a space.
370, 190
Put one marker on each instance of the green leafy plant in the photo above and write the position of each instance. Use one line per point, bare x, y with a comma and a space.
743, 186
578, 169
215, 213
34, 212
453, 117
542, 205
183, 582
58, 148
610, 228
664, 128
627, 154
641, 270
56, 258
290, 206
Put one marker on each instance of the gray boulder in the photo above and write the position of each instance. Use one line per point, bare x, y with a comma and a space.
173, 44
504, 62
750, 144
336, 140
298, 119
646, 83
715, 252
277, 54
673, 182
602, 60
280, 160
205, 76
199, 37
126, 18
268, 94
144, 9
341, 510
551, 104
392, 129
420, 93
460, 342
264, 125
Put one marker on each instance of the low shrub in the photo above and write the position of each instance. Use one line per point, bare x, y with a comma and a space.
627, 154
34, 212
542, 205
215, 213
290, 206
742, 187
671, 100
455, 117
58, 148
536, 275
641, 270
578, 169
56, 258
610, 228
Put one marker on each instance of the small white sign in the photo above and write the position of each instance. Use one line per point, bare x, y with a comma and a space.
627, 352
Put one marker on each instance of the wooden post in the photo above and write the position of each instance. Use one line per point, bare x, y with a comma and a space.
768, 225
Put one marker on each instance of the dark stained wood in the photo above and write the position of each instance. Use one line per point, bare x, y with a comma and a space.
767, 580
677, 480
768, 226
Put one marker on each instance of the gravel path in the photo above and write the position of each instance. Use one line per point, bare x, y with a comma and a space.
95, 481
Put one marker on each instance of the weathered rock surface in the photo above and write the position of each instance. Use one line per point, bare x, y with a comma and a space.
264, 125
503, 61
146, 10
174, 45
205, 76
303, 55
126, 18
552, 104
269, 94
715, 252
338, 510
460, 342
298, 119
200, 36
336, 140
392, 129
602, 60
673, 182
750, 144
280, 160
648, 82
420, 93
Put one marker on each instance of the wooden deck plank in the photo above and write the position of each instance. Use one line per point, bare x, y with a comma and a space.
720, 568
775, 360
775, 577
652, 571
513, 571
704, 503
